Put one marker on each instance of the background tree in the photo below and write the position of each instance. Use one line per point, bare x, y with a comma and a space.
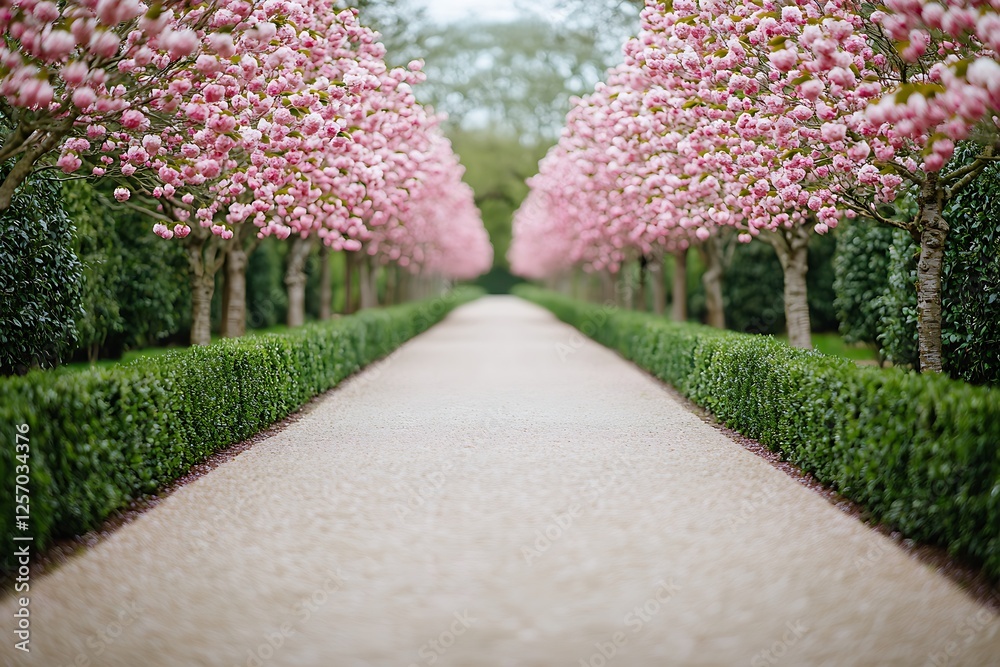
40, 297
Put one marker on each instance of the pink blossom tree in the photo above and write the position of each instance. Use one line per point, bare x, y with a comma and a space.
229, 121
777, 118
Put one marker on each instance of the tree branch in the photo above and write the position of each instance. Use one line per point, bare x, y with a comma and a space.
968, 173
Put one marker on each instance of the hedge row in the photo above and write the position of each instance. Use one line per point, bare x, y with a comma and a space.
921, 452
103, 437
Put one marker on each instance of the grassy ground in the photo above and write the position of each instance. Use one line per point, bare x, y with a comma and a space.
834, 345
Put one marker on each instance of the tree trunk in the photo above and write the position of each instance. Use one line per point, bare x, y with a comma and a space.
678, 306
403, 286
711, 253
234, 299
792, 247
656, 287
607, 287
205, 258
349, 283
325, 284
295, 281
933, 234
367, 282
643, 304
390, 285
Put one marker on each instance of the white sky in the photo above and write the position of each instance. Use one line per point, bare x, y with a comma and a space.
447, 11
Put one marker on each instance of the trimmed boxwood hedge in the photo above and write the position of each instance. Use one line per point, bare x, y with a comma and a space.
920, 452
103, 437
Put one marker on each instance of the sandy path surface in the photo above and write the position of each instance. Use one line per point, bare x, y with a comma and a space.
499, 492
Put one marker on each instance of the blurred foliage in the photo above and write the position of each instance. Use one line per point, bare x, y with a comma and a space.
400, 23
819, 280
267, 298
514, 77
39, 279
499, 280
134, 284
97, 246
753, 290
862, 272
897, 323
971, 278
154, 297
496, 166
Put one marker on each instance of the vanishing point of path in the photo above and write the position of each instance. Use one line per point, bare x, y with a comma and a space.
499, 492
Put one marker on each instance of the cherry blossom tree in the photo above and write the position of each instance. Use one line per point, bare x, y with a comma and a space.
837, 109
779, 118
229, 121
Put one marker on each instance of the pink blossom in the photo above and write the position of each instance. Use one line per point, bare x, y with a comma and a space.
832, 132
104, 43
69, 162
83, 97
133, 119
122, 194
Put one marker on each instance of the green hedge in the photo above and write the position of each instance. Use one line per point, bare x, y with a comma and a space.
103, 437
921, 452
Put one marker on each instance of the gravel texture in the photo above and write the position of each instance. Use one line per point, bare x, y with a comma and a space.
499, 492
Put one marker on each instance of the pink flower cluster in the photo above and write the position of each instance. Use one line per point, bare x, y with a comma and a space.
758, 115
276, 113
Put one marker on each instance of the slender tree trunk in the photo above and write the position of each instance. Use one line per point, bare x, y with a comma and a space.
390, 285
933, 234
595, 287
642, 304
367, 282
295, 280
623, 291
792, 247
711, 253
350, 305
607, 286
678, 306
234, 302
202, 288
403, 286
205, 258
657, 289
325, 284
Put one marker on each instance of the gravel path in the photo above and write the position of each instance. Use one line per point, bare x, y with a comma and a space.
499, 492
